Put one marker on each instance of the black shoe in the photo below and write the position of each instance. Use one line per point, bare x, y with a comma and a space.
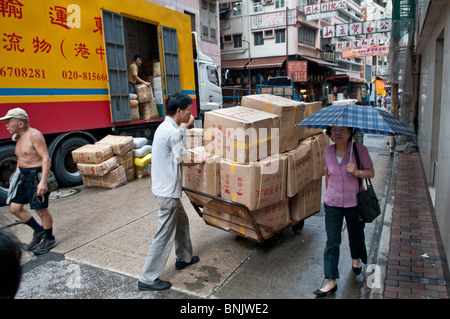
45, 246
37, 238
320, 293
182, 264
357, 270
161, 285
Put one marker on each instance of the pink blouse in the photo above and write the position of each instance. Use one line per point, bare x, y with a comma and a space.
343, 187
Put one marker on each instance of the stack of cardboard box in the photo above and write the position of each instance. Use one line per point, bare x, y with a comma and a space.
147, 103
107, 163
267, 163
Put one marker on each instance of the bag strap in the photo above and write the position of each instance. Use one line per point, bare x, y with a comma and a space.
358, 165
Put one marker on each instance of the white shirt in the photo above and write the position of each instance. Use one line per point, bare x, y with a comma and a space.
167, 150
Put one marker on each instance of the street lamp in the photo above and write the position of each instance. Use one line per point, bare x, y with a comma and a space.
249, 71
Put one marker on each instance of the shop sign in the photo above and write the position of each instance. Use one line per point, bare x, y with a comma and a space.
299, 69
354, 53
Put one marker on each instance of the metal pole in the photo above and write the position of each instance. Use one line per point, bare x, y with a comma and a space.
249, 71
287, 46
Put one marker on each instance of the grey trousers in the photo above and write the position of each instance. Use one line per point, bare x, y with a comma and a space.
173, 225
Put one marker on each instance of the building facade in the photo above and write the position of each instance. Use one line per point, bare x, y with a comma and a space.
431, 43
261, 39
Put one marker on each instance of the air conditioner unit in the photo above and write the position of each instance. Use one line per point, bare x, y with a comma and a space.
225, 6
268, 1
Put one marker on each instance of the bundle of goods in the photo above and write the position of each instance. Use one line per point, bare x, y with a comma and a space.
194, 137
267, 163
146, 102
98, 166
142, 157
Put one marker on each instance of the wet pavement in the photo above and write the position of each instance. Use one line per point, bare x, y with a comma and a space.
103, 238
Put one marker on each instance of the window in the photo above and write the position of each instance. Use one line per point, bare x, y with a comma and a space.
227, 39
258, 6
237, 8
268, 33
306, 35
212, 7
258, 38
279, 4
212, 75
208, 21
237, 39
280, 36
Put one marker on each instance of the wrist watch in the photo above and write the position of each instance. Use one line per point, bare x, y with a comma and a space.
359, 173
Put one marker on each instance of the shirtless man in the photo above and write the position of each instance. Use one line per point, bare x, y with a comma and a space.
33, 160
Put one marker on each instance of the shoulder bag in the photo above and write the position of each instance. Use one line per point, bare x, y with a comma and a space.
368, 205
52, 184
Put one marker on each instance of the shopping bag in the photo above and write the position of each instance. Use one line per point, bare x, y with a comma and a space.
368, 205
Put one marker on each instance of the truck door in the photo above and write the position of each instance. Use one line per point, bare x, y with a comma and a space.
117, 66
171, 60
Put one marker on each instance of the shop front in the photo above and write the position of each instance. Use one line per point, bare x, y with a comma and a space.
345, 86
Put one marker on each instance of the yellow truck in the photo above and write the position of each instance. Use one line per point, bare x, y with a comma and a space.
65, 63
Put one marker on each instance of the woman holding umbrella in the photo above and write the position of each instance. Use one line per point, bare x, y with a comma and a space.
341, 181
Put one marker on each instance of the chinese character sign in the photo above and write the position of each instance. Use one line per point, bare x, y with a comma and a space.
44, 44
326, 6
353, 53
328, 31
299, 69
357, 28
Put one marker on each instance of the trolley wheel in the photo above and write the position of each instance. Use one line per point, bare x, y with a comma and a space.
297, 228
276, 239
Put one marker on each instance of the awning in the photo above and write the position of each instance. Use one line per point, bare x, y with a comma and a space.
320, 61
234, 64
272, 62
345, 78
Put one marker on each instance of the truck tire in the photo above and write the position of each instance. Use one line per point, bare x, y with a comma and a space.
63, 165
8, 163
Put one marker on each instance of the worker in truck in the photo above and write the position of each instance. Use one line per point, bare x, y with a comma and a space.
168, 155
133, 70
32, 160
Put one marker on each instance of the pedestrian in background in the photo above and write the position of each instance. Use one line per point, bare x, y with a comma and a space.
341, 182
168, 154
33, 161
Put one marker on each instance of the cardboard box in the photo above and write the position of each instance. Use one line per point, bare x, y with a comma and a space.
298, 169
307, 201
126, 160
255, 184
310, 108
144, 92
269, 220
156, 69
134, 113
204, 177
194, 138
148, 110
290, 113
129, 173
120, 144
92, 153
317, 144
241, 134
98, 169
114, 178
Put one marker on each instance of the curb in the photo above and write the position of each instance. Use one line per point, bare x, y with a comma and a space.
376, 276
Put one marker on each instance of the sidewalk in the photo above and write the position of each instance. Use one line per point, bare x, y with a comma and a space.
417, 266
